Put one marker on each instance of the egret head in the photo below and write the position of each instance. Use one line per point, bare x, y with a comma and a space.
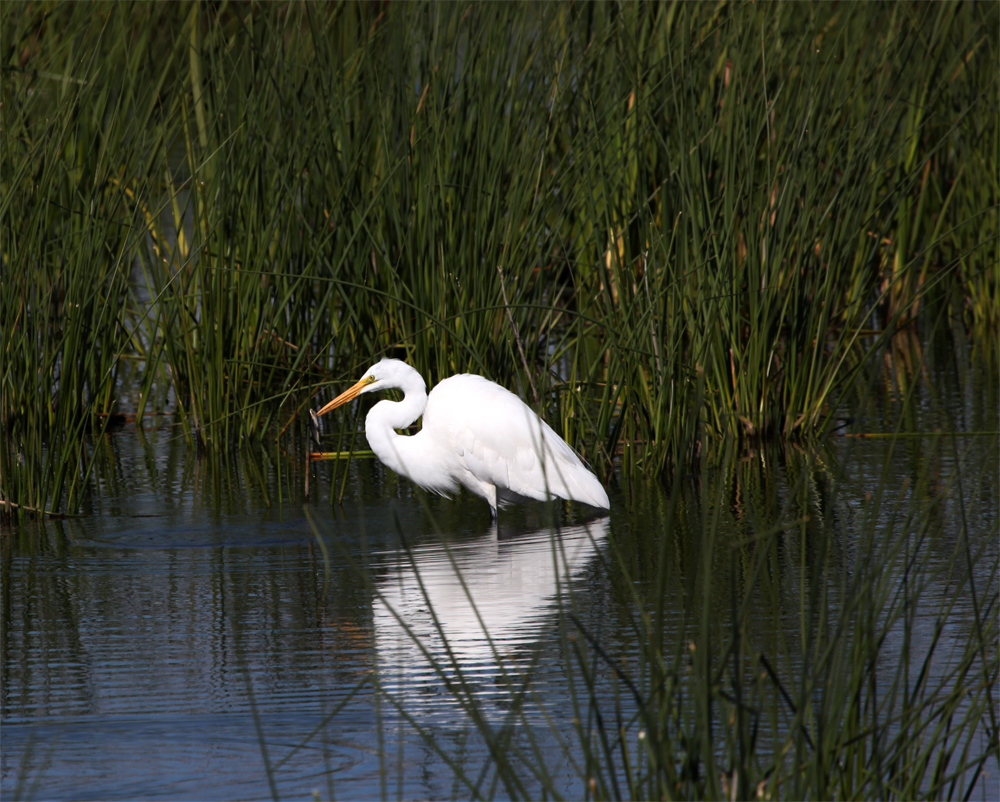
383, 375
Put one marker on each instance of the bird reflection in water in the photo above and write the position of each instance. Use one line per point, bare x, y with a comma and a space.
466, 615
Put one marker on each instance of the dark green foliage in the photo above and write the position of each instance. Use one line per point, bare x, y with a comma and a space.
621, 211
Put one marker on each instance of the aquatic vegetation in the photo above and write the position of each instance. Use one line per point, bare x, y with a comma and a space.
782, 627
615, 211
696, 238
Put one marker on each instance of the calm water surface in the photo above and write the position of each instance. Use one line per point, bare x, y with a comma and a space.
189, 638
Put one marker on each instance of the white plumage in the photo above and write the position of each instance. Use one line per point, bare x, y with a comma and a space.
475, 434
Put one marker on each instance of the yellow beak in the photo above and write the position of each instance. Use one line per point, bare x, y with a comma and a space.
347, 395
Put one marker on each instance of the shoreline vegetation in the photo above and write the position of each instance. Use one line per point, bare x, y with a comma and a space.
633, 216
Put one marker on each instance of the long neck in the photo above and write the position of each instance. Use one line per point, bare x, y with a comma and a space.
386, 416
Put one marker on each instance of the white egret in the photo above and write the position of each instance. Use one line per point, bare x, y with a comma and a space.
475, 434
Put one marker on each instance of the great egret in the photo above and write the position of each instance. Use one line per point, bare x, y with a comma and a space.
475, 434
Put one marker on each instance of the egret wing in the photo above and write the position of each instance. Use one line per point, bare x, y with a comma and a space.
500, 441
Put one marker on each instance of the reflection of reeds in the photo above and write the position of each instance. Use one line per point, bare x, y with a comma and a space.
772, 635
656, 206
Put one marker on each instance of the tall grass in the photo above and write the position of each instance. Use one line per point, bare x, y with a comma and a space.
616, 210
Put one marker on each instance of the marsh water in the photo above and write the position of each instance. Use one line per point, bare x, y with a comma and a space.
200, 633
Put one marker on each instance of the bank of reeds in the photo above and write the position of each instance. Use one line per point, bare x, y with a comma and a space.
611, 208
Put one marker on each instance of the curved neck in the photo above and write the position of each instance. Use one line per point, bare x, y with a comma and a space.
398, 414
387, 416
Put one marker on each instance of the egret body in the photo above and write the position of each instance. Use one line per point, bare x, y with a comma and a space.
475, 434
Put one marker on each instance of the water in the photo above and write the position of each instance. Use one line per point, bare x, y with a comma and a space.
189, 638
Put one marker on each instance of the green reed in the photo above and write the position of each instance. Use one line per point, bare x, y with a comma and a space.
611, 209
724, 711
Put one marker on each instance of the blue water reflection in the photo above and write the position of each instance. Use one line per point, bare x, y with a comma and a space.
192, 638
205, 654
